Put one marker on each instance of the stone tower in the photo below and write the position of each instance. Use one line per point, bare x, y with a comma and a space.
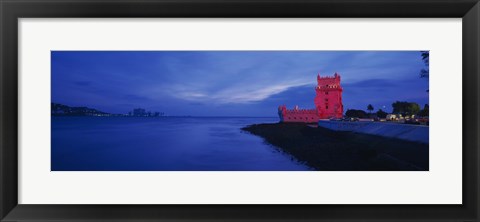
328, 101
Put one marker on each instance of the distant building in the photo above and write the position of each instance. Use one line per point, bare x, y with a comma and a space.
328, 103
396, 117
139, 112
144, 113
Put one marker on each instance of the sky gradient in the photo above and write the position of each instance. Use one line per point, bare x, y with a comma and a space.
232, 83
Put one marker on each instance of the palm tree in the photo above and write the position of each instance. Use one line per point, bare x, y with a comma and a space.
370, 108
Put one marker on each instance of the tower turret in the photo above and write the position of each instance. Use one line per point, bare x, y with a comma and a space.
328, 100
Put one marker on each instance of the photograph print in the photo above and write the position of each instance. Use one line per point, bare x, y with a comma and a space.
240, 110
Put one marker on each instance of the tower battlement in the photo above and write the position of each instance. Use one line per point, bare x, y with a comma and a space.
335, 76
328, 80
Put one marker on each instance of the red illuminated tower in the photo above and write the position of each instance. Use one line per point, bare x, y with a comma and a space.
328, 101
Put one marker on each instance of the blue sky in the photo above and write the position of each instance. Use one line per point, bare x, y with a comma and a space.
231, 83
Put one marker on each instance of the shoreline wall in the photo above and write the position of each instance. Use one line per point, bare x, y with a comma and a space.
417, 133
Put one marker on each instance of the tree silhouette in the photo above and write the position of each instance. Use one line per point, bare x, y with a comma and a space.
381, 114
356, 113
370, 108
424, 111
425, 73
405, 108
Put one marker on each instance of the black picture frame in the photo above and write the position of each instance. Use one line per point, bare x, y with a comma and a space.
12, 10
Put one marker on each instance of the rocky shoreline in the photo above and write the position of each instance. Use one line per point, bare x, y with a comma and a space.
327, 150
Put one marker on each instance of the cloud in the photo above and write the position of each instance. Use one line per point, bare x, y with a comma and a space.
369, 83
235, 94
253, 95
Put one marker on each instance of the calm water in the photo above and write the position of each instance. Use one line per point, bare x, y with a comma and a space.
136, 143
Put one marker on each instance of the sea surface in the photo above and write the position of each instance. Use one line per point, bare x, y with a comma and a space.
164, 144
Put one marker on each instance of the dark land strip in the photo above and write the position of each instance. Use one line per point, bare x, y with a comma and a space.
327, 150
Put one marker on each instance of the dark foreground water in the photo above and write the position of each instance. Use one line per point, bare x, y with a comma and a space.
169, 143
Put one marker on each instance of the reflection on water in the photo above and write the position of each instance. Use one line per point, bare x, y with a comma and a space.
170, 143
